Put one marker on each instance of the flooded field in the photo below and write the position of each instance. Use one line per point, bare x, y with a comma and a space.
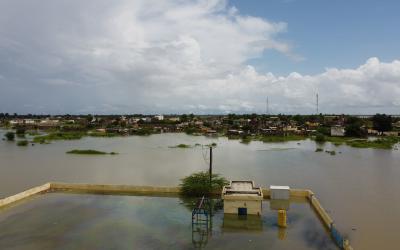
358, 187
86, 221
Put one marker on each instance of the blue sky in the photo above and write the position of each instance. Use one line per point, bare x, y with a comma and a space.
199, 56
335, 33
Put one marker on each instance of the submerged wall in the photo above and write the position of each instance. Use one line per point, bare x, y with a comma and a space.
164, 191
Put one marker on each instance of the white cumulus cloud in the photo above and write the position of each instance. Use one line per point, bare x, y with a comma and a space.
155, 56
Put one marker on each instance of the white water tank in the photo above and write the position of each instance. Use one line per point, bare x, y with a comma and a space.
280, 192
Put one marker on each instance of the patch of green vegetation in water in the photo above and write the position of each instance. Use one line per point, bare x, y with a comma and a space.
58, 136
181, 146
22, 143
275, 138
380, 143
89, 152
331, 152
245, 140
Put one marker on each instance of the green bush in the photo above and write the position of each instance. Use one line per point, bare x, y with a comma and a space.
22, 143
320, 138
198, 184
20, 131
10, 136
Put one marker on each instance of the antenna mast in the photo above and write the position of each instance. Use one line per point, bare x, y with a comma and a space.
317, 104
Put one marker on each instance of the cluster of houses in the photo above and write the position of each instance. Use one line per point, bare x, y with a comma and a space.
207, 125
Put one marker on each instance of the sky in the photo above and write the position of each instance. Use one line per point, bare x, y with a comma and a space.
199, 56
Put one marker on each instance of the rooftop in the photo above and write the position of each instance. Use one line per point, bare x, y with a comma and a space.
246, 188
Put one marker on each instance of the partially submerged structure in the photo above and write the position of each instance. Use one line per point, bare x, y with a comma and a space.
242, 198
241, 193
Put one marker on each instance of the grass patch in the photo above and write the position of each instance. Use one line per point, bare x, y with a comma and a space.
143, 131
32, 132
245, 140
275, 138
89, 152
58, 136
381, 143
23, 143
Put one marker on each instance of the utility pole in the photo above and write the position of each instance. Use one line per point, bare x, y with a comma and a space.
267, 106
210, 168
210, 201
317, 103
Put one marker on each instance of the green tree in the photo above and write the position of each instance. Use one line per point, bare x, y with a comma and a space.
183, 118
354, 127
382, 122
10, 136
324, 131
198, 184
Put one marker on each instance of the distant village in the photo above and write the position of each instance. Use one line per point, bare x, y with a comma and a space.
212, 125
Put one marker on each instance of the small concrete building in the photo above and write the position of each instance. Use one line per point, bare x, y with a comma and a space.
280, 192
337, 131
242, 198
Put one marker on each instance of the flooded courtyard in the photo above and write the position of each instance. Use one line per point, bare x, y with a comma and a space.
87, 221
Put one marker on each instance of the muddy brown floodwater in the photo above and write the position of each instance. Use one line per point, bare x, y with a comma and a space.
359, 187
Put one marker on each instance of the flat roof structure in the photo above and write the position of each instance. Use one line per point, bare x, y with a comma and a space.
242, 198
242, 188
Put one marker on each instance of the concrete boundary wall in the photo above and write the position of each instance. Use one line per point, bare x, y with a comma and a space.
110, 189
23, 195
152, 190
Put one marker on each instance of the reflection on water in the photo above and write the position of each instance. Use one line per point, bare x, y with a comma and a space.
344, 183
238, 223
279, 205
86, 221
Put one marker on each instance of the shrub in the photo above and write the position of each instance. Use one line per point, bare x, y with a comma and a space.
22, 143
20, 131
198, 184
320, 138
10, 136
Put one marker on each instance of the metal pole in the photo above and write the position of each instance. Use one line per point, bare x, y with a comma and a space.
210, 167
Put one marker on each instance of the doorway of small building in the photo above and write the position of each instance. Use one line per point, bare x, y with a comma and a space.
242, 211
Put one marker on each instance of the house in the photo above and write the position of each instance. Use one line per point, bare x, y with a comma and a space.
391, 133
29, 121
235, 132
242, 198
16, 122
174, 119
337, 131
159, 117
146, 119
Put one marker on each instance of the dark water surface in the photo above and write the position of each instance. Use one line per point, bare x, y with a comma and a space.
359, 187
84, 221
